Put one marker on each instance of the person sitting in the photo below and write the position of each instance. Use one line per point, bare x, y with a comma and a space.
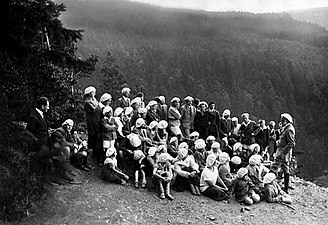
273, 192
162, 135
185, 173
141, 130
173, 147
162, 176
128, 145
199, 154
110, 172
80, 157
152, 157
126, 129
209, 141
139, 160
224, 169
243, 187
211, 184
153, 134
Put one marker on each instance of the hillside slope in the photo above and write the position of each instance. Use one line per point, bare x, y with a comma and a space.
316, 15
264, 64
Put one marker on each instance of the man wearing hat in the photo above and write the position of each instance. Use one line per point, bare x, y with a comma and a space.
124, 101
188, 112
162, 108
285, 146
152, 113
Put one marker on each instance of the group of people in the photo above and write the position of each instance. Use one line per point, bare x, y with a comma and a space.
189, 147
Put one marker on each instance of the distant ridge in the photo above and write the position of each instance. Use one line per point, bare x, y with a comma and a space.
313, 15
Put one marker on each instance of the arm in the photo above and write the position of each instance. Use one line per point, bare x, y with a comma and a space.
107, 127
155, 174
221, 183
290, 142
180, 172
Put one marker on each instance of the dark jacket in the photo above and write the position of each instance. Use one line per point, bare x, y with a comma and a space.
201, 124
108, 129
248, 132
121, 102
38, 126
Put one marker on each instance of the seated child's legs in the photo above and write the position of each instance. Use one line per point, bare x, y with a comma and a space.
248, 201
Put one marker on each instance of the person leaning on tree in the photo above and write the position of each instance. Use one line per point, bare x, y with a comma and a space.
285, 146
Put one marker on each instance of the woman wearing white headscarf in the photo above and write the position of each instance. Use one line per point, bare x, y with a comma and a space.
90, 104
211, 184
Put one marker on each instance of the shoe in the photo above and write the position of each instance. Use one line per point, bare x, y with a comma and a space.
169, 196
67, 177
136, 184
162, 195
89, 166
85, 168
143, 185
123, 182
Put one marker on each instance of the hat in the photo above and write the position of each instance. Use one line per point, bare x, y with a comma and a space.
287, 117
142, 110
203, 103
68, 122
183, 145
162, 124
200, 144
138, 154
126, 90
173, 139
107, 109
182, 153
105, 97
236, 160
215, 145
242, 172
151, 103
128, 111
161, 99
226, 112
89, 89
224, 157
269, 177
189, 98
152, 151
153, 124
194, 134
272, 123
140, 122
237, 146
136, 100
118, 111
255, 148
110, 151
234, 119
134, 140
210, 138
162, 158
175, 99
210, 160
245, 115
255, 160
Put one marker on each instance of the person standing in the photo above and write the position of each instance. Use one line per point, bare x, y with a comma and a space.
90, 104
124, 101
188, 112
174, 117
213, 120
285, 146
273, 138
248, 130
201, 120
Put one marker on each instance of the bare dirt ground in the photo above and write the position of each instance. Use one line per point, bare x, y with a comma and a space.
96, 202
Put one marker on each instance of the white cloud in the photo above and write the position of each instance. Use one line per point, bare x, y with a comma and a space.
257, 6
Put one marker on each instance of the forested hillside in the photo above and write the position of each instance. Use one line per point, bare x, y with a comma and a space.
264, 64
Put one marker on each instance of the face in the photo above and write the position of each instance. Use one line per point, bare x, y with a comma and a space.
202, 107
126, 94
154, 107
283, 121
109, 114
136, 106
210, 142
69, 127
245, 119
176, 104
212, 106
93, 94
46, 107
234, 123
189, 102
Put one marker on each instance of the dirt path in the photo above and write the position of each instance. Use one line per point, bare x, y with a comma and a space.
96, 202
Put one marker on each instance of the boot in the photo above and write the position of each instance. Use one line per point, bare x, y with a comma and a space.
192, 189
286, 182
167, 192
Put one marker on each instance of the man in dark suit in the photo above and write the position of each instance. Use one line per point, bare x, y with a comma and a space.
124, 101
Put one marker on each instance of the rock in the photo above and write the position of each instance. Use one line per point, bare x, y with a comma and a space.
247, 208
242, 210
212, 218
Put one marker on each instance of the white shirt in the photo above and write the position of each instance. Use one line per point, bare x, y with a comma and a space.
40, 112
210, 175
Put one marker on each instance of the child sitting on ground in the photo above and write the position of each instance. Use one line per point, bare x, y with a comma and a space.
173, 147
162, 175
272, 190
242, 186
139, 166
224, 169
110, 172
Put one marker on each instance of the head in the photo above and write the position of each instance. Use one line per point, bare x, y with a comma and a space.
286, 118
211, 106
106, 99
234, 121
118, 112
108, 111
272, 124
68, 124
140, 123
242, 172
200, 145
262, 123
128, 112
162, 125
269, 178
174, 141
189, 100
255, 160
210, 140
226, 113
140, 95
224, 158
245, 117
194, 135
196, 102
90, 92
203, 106
42, 104
211, 160
126, 92
175, 102
153, 125
182, 154
153, 105
215, 147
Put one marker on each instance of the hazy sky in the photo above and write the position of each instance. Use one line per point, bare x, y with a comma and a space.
257, 6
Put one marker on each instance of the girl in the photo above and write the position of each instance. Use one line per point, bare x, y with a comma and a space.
139, 166
243, 187
162, 176
174, 118
90, 104
110, 172
109, 128
173, 147
162, 135
209, 180
224, 169
273, 191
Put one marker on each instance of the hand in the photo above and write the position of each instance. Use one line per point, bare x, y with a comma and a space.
126, 177
192, 174
129, 151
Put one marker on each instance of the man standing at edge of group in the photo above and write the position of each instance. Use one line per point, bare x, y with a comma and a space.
188, 112
285, 146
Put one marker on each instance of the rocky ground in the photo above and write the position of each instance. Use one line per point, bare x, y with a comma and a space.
96, 202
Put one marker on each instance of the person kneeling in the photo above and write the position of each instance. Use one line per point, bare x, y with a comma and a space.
110, 172
272, 190
210, 181
162, 175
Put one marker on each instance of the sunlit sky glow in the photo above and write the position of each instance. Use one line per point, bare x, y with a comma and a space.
256, 6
